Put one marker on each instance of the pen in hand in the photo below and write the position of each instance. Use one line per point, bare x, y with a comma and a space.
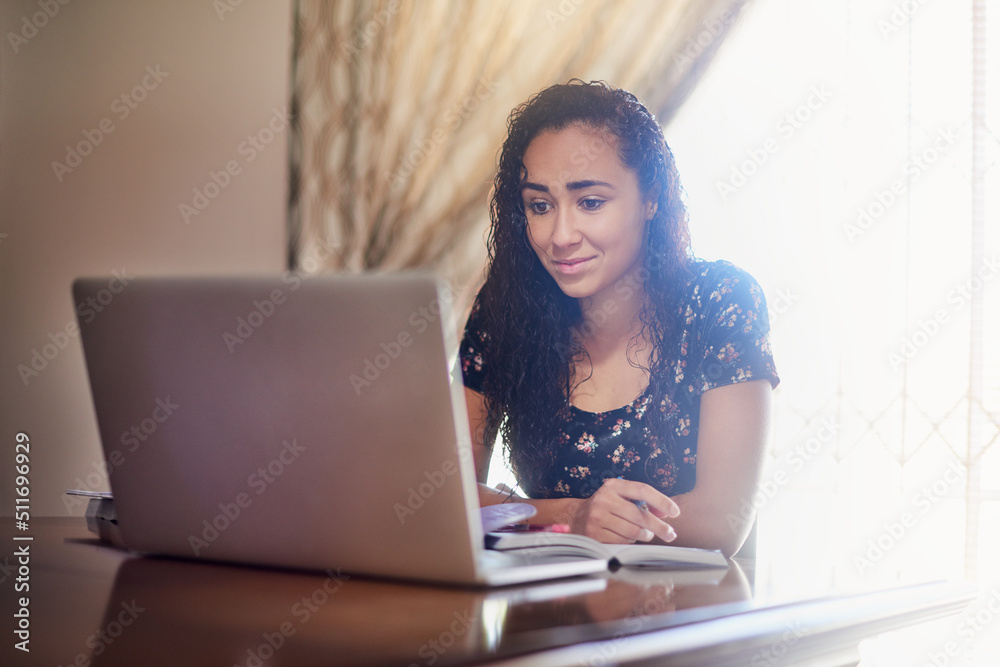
641, 504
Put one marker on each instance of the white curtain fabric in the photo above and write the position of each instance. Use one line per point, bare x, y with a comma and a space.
401, 108
847, 155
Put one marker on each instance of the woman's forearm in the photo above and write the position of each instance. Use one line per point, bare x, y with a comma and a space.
556, 510
705, 525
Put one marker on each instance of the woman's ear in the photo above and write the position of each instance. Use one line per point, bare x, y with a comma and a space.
650, 209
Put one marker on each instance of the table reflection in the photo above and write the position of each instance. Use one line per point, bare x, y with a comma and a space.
93, 604
237, 615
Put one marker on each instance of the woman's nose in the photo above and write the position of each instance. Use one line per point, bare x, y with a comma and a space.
566, 231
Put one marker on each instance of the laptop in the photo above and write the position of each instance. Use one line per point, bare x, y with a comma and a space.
292, 421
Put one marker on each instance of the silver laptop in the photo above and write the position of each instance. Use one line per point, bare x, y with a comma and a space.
290, 421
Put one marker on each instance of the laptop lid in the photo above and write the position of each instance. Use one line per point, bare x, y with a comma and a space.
291, 421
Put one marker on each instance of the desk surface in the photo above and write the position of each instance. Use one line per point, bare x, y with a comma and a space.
91, 604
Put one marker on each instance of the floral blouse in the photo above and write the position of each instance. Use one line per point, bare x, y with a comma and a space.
724, 340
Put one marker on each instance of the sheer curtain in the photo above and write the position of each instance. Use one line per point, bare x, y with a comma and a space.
847, 152
401, 108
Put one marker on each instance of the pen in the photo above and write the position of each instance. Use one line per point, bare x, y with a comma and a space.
641, 504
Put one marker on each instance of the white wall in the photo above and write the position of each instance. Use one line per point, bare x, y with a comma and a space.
201, 83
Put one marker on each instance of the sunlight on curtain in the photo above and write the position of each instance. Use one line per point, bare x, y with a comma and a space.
401, 108
842, 152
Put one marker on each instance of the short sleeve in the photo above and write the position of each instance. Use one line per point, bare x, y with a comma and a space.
734, 330
470, 351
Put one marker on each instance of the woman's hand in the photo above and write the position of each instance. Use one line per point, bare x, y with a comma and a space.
613, 514
501, 493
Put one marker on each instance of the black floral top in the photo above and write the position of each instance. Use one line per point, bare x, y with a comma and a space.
725, 340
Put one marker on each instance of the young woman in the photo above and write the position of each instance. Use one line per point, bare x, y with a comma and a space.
629, 382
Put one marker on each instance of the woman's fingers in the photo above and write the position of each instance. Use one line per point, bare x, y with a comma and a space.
649, 525
620, 531
646, 509
659, 505
667, 533
623, 511
601, 518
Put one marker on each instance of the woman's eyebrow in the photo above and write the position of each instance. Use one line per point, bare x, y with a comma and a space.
572, 185
580, 185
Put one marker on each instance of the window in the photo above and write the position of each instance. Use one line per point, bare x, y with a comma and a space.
845, 153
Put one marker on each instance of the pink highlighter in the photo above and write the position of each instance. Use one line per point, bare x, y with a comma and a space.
534, 528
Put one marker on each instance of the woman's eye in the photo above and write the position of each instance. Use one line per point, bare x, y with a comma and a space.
591, 204
538, 207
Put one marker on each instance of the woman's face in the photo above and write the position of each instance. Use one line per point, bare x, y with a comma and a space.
586, 215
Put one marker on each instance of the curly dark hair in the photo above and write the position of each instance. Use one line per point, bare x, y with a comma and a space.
527, 321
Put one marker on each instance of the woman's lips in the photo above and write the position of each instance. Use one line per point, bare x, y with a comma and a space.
571, 266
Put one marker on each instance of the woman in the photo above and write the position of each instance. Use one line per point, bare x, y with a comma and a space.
628, 381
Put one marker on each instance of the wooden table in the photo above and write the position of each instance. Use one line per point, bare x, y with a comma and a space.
92, 604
